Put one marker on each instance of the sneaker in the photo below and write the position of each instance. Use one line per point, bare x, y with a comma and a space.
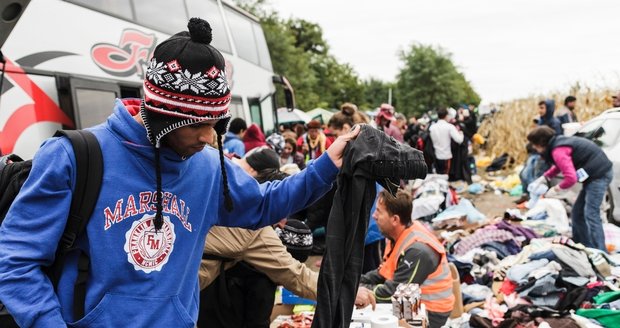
524, 198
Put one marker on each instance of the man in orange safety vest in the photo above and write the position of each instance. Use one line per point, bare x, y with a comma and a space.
412, 255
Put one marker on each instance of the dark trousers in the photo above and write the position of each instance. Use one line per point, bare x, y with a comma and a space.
245, 301
372, 256
437, 319
371, 157
442, 166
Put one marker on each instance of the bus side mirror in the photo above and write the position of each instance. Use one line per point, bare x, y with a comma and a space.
10, 12
289, 93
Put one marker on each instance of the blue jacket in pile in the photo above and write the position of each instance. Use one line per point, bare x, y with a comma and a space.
139, 277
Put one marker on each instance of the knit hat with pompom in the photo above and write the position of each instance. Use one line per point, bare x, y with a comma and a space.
185, 84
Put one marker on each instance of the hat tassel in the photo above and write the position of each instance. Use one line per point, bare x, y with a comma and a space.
159, 220
228, 203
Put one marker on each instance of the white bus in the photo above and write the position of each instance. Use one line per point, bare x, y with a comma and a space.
66, 61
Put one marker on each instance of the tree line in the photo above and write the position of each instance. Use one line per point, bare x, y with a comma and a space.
428, 78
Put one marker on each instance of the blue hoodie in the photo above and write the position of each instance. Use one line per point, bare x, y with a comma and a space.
549, 120
232, 144
138, 277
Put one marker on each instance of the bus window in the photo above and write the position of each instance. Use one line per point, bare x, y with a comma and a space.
94, 106
263, 51
241, 28
119, 8
209, 10
164, 15
131, 92
236, 107
255, 111
93, 101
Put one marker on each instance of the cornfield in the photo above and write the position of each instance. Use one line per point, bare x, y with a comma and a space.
506, 130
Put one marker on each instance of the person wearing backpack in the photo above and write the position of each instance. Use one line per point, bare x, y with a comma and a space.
162, 189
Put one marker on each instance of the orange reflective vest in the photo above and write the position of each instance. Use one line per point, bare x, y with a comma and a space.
436, 290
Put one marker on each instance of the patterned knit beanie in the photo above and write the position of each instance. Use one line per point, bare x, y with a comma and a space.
297, 238
185, 84
276, 142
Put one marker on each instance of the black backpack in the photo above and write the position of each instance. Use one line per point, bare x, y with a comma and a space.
13, 173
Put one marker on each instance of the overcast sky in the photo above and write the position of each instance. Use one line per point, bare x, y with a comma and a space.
507, 49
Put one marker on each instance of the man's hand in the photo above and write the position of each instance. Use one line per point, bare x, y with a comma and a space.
336, 150
364, 297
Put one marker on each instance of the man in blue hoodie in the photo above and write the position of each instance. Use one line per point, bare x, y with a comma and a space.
233, 143
160, 194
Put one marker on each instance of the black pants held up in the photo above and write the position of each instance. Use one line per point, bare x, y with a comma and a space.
371, 157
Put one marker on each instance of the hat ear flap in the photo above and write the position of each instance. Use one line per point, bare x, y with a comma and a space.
222, 126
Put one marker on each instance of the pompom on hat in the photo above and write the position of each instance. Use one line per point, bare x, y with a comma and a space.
185, 83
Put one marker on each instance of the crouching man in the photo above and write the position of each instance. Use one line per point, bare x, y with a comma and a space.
412, 255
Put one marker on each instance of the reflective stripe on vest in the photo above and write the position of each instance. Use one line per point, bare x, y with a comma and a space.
437, 296
437, 288
445, 273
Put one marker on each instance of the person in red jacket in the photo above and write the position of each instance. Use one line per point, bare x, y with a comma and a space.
253, 138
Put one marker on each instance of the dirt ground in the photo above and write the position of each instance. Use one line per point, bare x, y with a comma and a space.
490, 204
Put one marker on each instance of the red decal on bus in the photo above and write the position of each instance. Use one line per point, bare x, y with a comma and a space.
42, 109
126, 58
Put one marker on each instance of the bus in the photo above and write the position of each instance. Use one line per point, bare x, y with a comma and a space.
65, 61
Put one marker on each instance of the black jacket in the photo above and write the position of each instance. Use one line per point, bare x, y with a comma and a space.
586, 155
371, 157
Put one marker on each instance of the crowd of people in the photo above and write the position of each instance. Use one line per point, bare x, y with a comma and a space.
259, 206
446, 142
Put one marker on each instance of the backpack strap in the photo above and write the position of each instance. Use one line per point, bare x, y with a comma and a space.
89, 174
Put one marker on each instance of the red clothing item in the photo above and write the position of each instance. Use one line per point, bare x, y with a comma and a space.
253, 138
315, 152
132, 105
330, 135
393, 131
562, 156
508, 287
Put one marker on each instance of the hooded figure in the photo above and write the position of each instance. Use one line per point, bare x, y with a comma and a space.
253, 138
546, 109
